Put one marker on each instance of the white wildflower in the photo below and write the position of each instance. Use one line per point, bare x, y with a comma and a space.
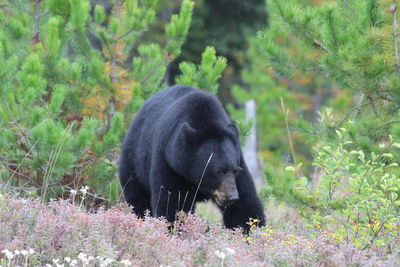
67, 259
84, 190
17, 252
24, 252
73, 192
9, 254
230, 251
55, 261
31, 251
126, 263
83, 258
73, 263
48, 265
220, 254
106, 262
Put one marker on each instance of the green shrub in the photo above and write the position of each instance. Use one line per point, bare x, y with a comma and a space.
70, 87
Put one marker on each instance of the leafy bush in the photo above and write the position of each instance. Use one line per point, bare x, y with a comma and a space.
357, 195
354, 195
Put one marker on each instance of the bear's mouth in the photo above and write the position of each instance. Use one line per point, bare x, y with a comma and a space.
218, 202
227, 192
222, 200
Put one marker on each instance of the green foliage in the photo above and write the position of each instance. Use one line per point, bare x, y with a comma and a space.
349, 43
349, 50
282, 188
206, 75
358, 190
178, 28
149, 68
59, 7
69, 87
267, 92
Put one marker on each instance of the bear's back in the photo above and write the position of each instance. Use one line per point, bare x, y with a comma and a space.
179, 102
156, 120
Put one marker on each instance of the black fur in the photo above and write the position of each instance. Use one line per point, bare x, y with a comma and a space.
166, 150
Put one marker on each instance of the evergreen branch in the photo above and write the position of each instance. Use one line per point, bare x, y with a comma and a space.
350, 7
291, 83
150, 73
332, 30
299, 29
356, 108
319, 44
371, 11
122, 35
36, 24
387, 123
16, 122
142, 18
81, 167
26, 156
393, 10
15, 168
373, 106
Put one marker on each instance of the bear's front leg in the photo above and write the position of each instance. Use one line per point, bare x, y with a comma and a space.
240, 213
164, 203
247, 207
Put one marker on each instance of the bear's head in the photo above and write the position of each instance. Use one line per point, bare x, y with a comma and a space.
209, 158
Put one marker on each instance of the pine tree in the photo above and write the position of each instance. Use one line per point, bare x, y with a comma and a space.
70, 86
350, 44
353, 46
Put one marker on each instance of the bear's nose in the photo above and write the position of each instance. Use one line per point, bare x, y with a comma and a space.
234, 197
231, 199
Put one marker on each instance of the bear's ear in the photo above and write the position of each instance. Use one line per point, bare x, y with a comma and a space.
187, 131
181, 143
233, 129
186, 134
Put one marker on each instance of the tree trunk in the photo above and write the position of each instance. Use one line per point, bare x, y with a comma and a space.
251, 147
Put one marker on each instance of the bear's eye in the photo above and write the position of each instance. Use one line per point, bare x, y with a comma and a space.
237, 170
222, 171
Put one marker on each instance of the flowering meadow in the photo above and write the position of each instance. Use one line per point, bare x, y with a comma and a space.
61, 233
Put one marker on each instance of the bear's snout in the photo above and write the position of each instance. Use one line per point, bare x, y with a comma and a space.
227, 192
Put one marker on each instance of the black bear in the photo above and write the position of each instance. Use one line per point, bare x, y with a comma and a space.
182, 148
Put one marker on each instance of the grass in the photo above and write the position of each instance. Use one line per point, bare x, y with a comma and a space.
208, 211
